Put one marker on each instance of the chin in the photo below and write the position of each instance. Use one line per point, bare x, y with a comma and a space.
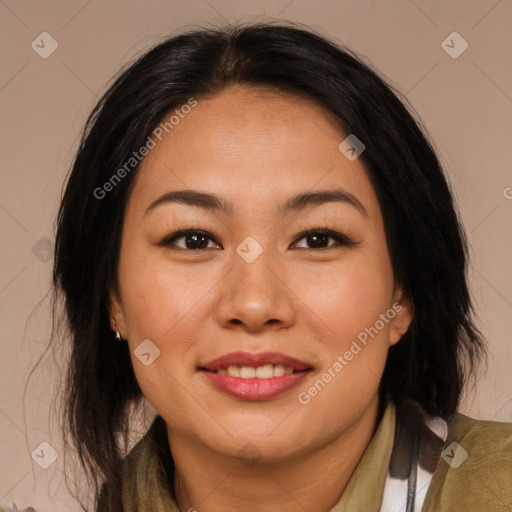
269, 441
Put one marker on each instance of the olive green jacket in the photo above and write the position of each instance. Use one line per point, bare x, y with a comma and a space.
461, 464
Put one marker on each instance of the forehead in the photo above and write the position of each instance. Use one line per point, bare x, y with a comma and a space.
252, 145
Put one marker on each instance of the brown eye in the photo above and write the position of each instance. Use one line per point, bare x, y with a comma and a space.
322, 239
191, 240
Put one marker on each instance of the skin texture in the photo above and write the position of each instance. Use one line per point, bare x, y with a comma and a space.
256, 149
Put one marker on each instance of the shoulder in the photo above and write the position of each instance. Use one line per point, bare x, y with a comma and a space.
485, 447
475, 469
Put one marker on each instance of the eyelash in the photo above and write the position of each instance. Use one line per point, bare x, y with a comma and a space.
341, 239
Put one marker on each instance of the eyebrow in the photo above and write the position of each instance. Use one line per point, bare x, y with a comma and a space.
213, 203
310, 199
204, 200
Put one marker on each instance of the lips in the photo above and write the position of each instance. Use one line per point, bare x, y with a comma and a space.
255, 376
254, 360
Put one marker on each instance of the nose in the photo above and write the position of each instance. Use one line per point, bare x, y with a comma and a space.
255, 297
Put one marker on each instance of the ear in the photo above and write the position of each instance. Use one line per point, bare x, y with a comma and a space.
404, 313
115, 309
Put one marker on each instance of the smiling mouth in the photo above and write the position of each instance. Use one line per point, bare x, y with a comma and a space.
266, 371
255, 376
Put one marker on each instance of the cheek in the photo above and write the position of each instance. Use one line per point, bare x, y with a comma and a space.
348, 297
159, 298
349, 304
165, 305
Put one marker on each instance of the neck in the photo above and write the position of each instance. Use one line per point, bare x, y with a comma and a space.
211, 482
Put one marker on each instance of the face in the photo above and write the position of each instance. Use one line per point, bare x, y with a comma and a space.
284, 268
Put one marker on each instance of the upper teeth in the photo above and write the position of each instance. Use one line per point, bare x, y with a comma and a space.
266, 371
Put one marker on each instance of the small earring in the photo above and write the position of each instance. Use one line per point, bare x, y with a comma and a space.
118, 334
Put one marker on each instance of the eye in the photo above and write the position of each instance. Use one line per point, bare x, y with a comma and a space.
191, 240
320, 238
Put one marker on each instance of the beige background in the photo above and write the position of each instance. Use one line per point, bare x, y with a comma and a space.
465, 103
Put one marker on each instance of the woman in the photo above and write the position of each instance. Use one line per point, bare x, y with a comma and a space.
257, 238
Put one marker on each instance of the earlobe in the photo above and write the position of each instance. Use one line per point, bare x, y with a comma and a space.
397, 331
403, 316
117, 322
